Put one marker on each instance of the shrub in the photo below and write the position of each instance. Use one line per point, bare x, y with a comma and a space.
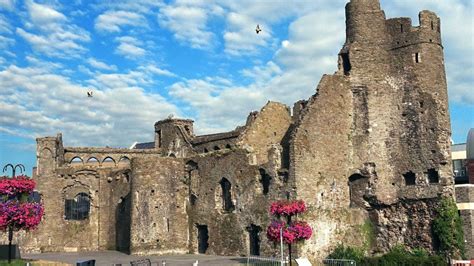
396, 256
347, 253
447, 228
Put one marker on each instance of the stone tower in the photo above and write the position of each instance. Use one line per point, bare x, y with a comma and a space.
372, 146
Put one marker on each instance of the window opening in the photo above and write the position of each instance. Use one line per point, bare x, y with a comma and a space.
357, 187
346, 63
265, 180
77, 208
410, 178
226, 187
433, 176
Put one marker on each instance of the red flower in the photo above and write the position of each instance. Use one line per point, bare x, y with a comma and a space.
16, 185
287, 208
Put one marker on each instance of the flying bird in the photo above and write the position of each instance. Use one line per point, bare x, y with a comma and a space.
89, 94
258, 29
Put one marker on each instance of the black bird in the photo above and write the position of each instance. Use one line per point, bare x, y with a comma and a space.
258, 30
89, 94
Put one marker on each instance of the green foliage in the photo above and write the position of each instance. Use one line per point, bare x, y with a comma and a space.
13, 263
397, 256
368, 230
347, 253
447, 228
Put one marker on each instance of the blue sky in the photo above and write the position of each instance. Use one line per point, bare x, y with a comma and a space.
147, 59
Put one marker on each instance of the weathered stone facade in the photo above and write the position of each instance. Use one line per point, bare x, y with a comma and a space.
369, 153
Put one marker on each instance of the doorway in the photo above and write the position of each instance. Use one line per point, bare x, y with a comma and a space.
254, 245
203, 238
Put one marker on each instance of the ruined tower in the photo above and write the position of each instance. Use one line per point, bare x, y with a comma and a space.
385, 159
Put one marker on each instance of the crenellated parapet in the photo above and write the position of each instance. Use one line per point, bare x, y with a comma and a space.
404, 34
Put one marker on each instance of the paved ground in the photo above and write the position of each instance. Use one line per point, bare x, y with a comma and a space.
115, 257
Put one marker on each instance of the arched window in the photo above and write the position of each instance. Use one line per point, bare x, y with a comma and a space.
265, 180
92, 160
108, 161
77, 208
76, 160
124, 160
226, 187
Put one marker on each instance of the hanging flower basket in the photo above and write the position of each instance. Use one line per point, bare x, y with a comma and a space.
296, 231
20, 215
287, 208
16, 186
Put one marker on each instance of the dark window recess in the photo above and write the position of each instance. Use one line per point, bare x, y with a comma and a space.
417, 57
203, 238
216, 148
254, 237
410, 178
265, 180
357, 186
34, 197
433, 176
226, 187
432, 25
193, 199
228, 146
206, 150
401, 27
346, 63
159, 138
77, 208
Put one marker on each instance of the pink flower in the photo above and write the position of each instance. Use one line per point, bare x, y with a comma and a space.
16, 185
287, 208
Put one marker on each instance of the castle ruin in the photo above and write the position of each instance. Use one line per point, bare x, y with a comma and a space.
369, 153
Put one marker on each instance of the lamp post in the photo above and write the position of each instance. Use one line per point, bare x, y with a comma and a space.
10, 228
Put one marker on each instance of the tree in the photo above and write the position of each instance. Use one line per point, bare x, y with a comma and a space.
291, 231
17, 209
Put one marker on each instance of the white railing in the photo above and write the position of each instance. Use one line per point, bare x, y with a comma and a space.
262, 261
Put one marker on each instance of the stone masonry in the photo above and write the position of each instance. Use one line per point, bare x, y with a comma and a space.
369, 153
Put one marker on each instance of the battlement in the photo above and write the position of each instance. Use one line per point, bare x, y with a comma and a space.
403, 33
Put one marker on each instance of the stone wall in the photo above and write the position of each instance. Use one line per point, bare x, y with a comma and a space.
158, 199
228, 228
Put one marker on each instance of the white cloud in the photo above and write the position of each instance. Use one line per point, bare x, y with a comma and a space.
51, 34
157, 71
129, 47
5, 26
7, 4
241, 38
188, 24
5, 42
43, 14
36, 103
101, 65
112, 21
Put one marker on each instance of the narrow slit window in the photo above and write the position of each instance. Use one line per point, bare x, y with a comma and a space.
346, 63
417, 58
432, 25
401, 27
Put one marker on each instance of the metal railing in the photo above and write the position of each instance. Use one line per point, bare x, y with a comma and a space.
262, 261
339, 262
